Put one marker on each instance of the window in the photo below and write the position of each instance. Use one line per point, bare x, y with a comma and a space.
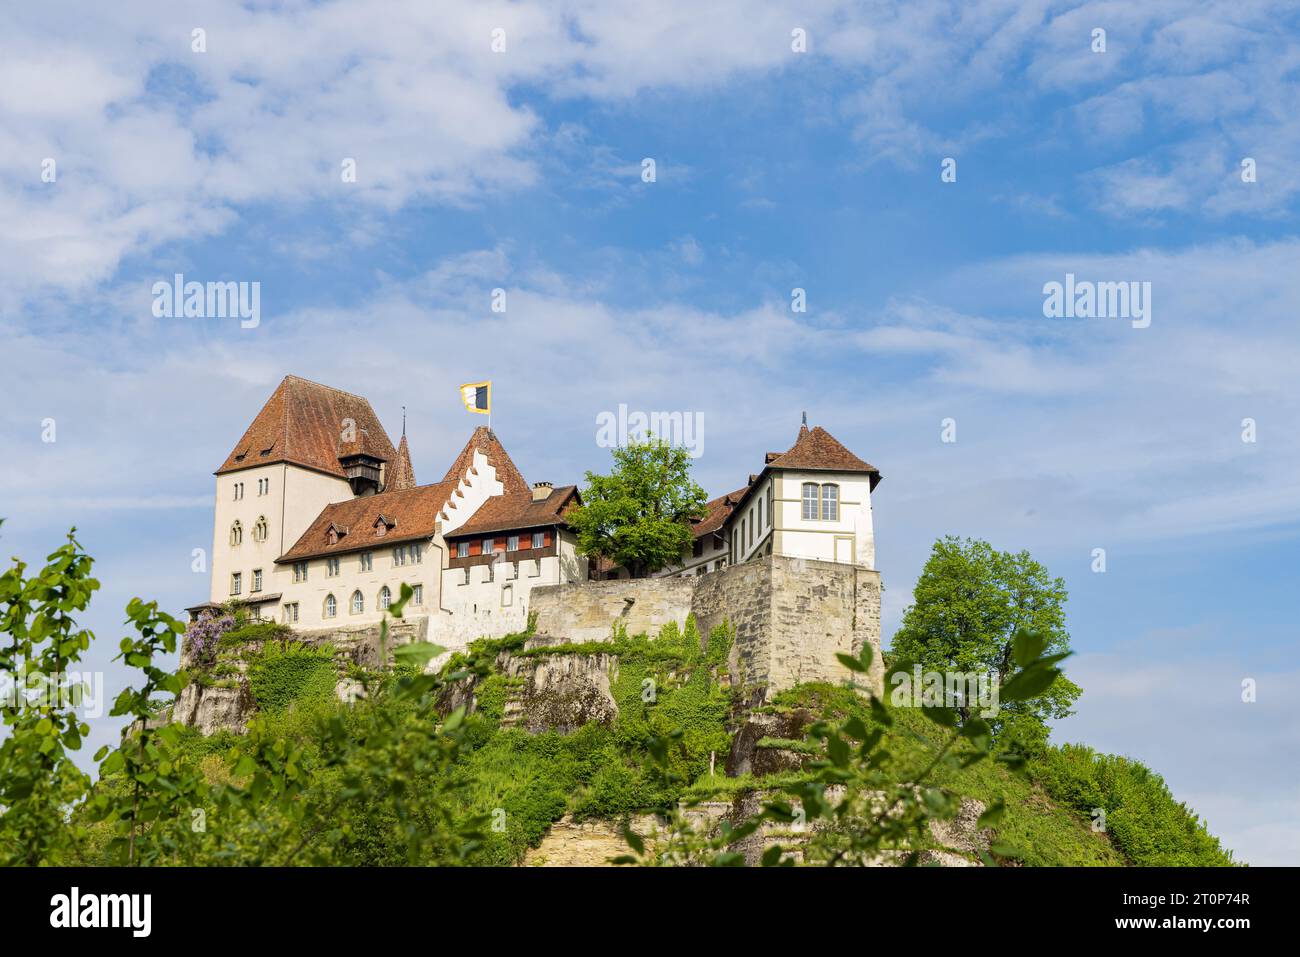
466, 581
488, 546
331, 606
300, 571
749, 542
810, 500
236, 583
239, 490
771, 515
291, 613
462, 549
385, 598
744, 533
539, 539
408, 554
512, 543
830, 503
257, 580
417, 594
760, 514
358, 603
263, 486
367, 561
236, 533
331, 567
507, 596
261, 529
698, 548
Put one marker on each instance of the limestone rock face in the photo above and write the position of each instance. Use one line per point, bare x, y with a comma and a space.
746, 757
563, 692
591, 843
212, 709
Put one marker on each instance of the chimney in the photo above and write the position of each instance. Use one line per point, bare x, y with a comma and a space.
542, 490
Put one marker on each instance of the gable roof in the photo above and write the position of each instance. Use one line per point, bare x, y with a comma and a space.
518, 511
717, 512
484, 440
409, 514
305, 423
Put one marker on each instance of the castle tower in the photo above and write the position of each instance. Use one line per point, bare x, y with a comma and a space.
308, 447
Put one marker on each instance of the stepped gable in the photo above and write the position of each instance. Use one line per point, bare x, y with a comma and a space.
519, 511
484, 440
355, 525
311, 425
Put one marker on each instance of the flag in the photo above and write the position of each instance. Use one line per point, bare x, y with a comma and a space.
477, 397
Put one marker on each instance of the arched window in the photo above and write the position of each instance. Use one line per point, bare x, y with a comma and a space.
385, 598
810, 498
358, 603
260, 529
830, 503
236, 533
331, 606
761, 526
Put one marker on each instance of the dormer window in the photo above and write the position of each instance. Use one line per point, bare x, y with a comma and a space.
383, 525
335, 533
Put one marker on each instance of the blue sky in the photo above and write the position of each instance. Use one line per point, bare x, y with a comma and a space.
775, 170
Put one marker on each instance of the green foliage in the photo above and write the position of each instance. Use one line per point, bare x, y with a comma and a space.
639, 515
969, 602
398, 779
255, 632
528, 781
284, 674
38, 779
1141, 816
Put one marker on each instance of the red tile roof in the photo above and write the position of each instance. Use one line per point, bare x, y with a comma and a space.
818, 449
485, 441
413, 514
717, 512
813, 450
312, 425
400, 475
518, 511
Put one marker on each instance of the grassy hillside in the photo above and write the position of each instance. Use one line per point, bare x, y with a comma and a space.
524, 782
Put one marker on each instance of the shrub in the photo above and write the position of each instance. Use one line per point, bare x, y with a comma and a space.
286, 674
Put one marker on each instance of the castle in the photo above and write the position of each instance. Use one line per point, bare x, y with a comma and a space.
319, 521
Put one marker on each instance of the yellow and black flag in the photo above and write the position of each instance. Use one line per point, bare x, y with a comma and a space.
477, 397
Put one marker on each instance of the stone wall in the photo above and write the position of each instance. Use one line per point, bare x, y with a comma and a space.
790, 615
587, 611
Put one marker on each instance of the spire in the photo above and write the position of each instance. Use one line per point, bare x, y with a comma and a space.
403, 421
402, 475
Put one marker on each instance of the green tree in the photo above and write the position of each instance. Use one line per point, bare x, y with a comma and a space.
967, 605
639, 515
